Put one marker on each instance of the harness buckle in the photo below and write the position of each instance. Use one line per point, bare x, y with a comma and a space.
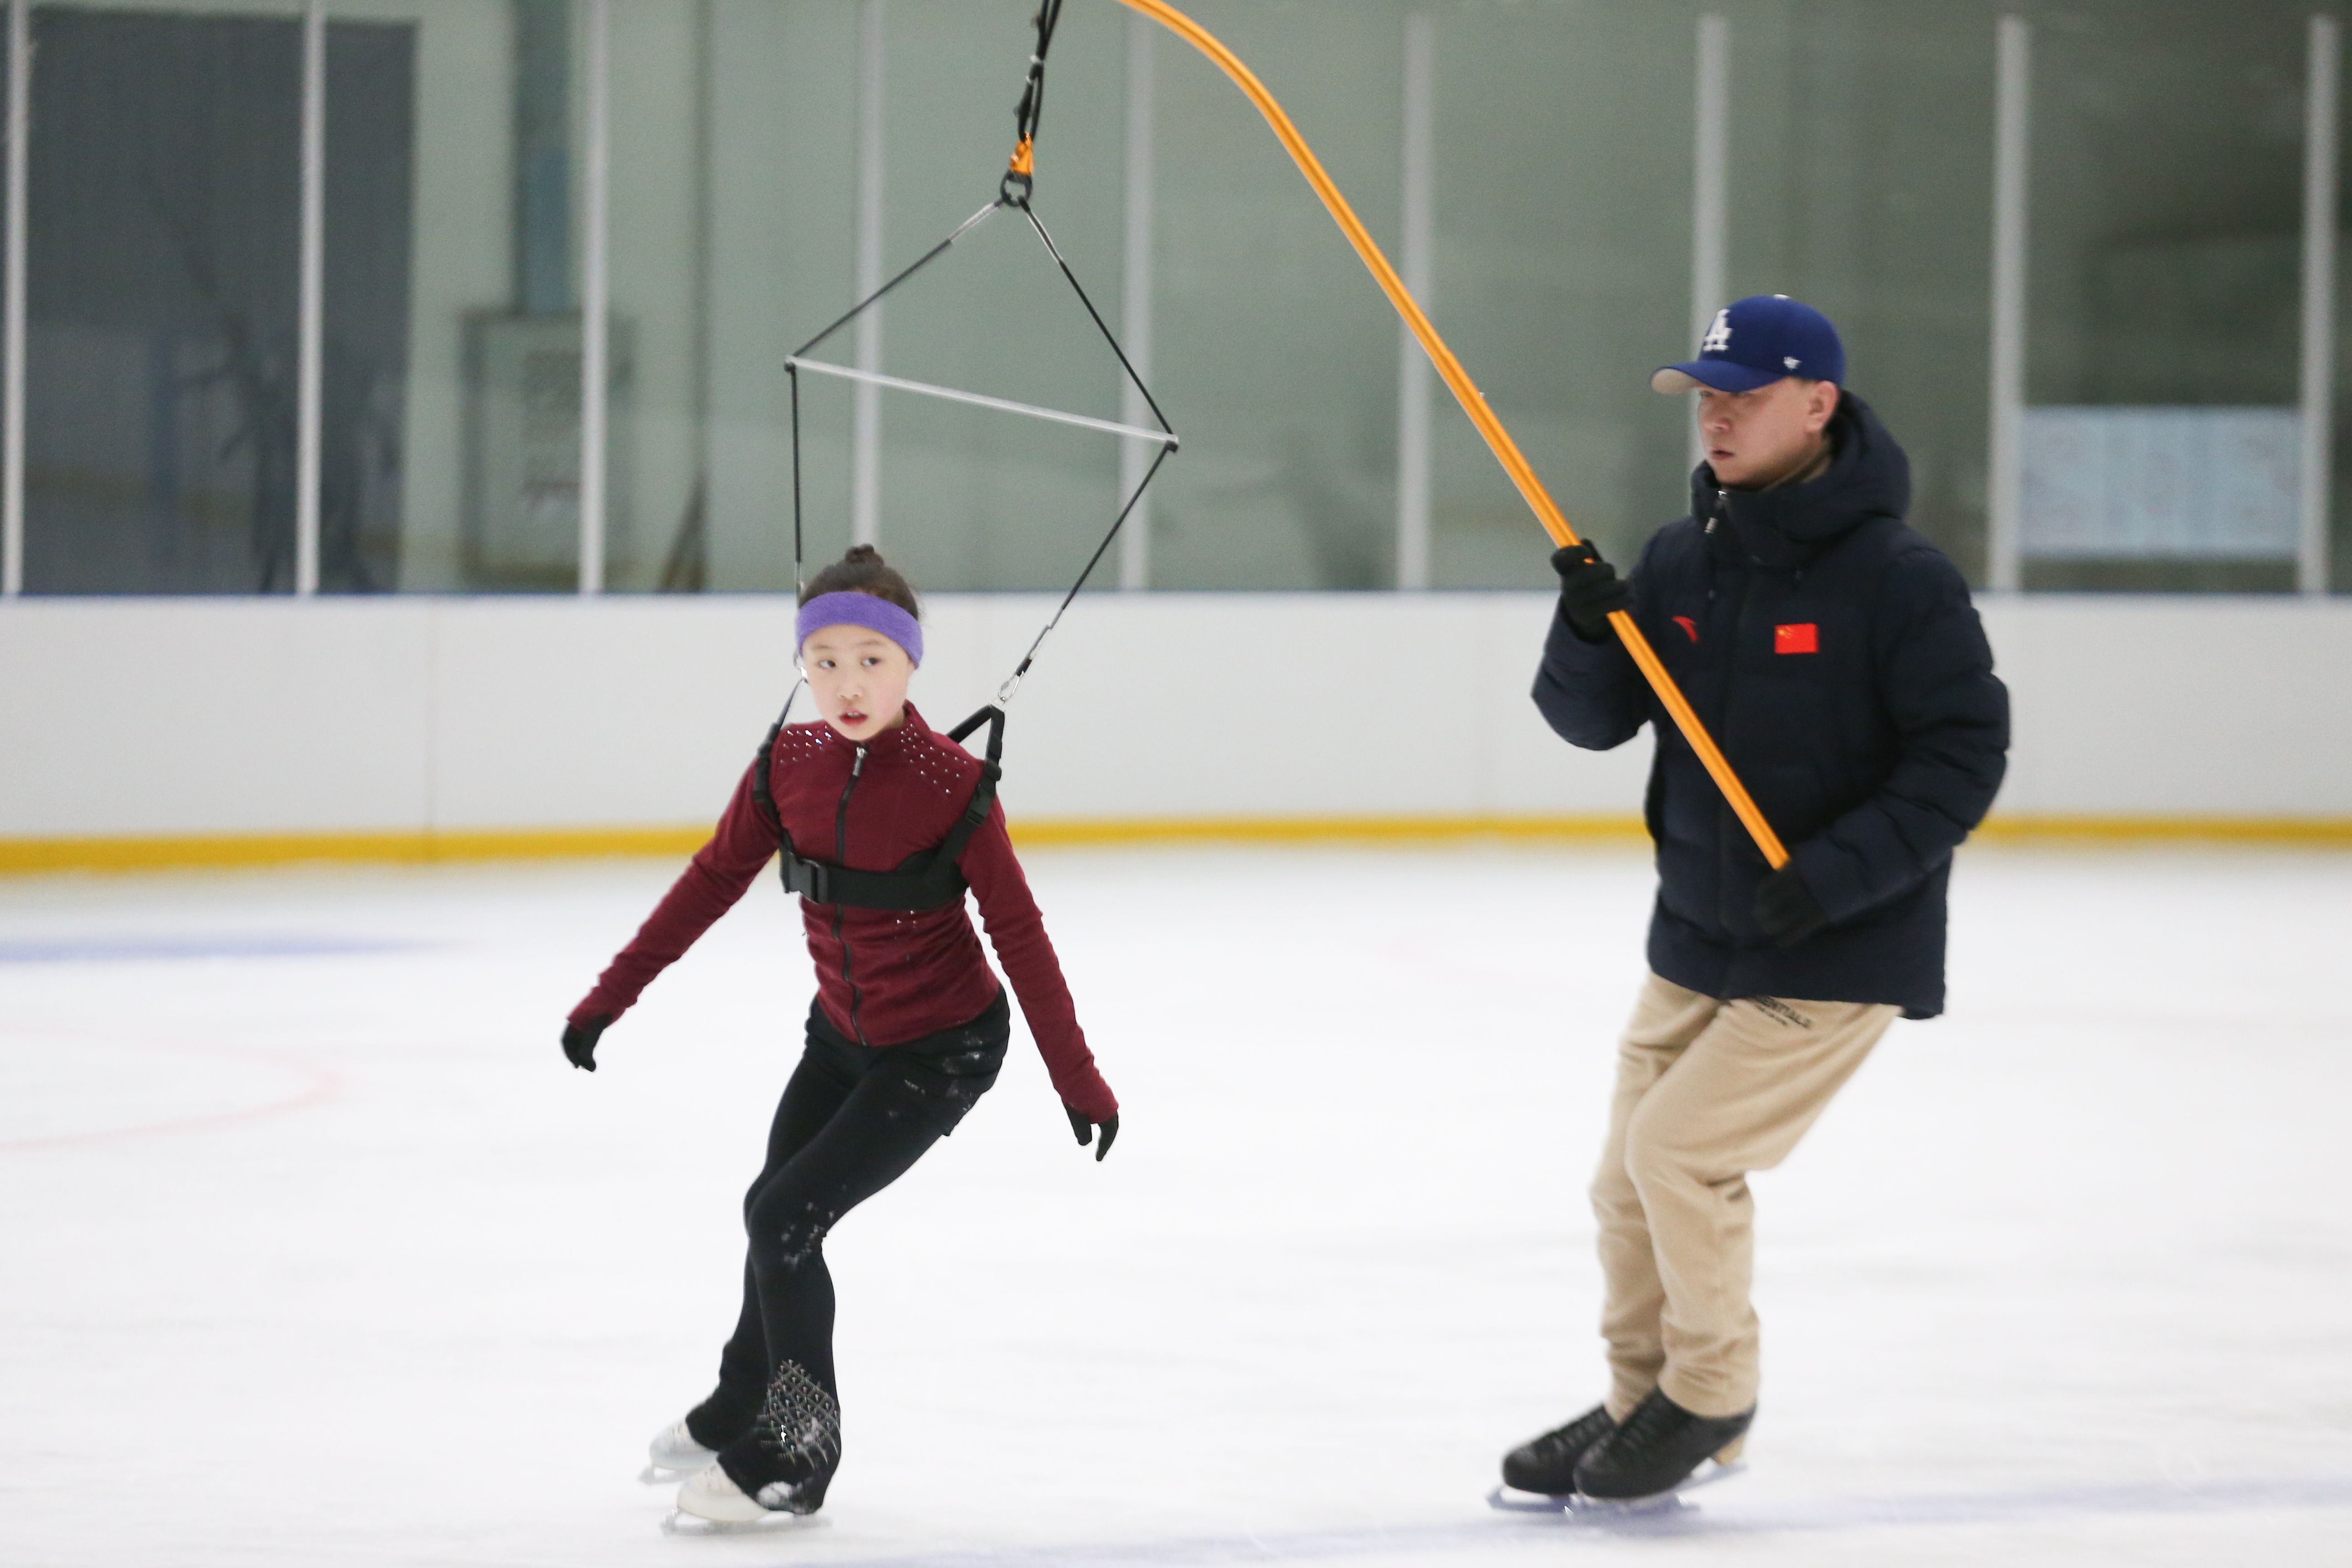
810, 879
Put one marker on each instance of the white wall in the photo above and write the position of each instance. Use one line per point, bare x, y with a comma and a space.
163, 717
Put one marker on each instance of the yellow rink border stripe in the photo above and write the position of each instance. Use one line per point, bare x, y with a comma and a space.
33, 856
1050, 831
2317, 832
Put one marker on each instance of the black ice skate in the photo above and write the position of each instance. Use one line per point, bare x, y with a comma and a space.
1658, 1451
1539, 1475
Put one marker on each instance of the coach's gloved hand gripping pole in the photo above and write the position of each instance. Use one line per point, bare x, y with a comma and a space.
1465, 391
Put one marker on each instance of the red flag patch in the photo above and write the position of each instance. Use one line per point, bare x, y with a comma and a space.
1804, 637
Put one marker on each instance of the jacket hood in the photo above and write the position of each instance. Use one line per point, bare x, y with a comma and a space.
1868, 477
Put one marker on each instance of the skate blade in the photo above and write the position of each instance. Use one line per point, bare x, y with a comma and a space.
1666, 1502
1510, 1500
680, 1522
660, 1475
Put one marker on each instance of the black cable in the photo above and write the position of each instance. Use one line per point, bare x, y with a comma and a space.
1126, 510
1032, 108
1100, 326
933, 254
800, 556
1004, 692
1125, 364
1013, 192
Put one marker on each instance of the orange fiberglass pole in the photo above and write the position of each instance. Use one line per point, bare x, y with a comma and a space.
1474, 403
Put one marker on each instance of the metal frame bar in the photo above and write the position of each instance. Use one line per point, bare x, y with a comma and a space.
865, 416
1415, 255
310, 329
12, 312
1710, 185
2004, 521
982, 400
2322, 111
1135, 458
595, 294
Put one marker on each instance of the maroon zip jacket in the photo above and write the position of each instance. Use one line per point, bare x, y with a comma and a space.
884, 976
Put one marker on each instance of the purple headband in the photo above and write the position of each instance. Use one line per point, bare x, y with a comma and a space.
849, 608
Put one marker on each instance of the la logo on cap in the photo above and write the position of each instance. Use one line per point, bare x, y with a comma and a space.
1755, 341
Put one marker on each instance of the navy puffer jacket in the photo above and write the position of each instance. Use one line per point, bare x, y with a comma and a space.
1835, 657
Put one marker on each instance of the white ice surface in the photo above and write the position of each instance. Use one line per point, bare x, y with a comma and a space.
323, 1256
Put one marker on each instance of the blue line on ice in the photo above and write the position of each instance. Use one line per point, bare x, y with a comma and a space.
144, 949
1690, 1519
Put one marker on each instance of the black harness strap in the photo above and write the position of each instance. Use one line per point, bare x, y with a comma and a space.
927, 879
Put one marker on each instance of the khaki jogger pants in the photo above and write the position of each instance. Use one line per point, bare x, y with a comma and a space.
1707, 1091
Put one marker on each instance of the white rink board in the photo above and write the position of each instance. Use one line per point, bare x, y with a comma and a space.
164, 717
325, 1257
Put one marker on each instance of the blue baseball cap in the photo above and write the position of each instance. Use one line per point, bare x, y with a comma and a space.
1754, 344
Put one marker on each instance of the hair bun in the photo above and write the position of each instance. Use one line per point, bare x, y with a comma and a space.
863, 571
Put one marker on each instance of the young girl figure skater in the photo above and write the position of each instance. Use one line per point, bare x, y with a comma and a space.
908, 1028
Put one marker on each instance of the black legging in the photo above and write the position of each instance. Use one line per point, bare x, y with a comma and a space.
853, 1120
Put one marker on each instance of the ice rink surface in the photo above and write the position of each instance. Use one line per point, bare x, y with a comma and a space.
316, 1252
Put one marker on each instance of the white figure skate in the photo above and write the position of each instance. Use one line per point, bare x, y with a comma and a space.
710, 1503
673, 1455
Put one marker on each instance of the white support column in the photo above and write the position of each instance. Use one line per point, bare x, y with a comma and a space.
866, 407
1135, 299
310, 327
1710, 186
2320, 129
12, 335
1413, 369
595, 291
2004, 554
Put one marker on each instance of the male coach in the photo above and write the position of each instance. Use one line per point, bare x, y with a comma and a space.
1836, 658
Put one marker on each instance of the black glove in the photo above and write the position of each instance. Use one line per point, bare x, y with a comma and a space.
1787, 909
1590, 590
580, 1039
1085, 1128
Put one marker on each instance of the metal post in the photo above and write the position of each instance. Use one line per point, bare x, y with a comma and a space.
2320, 125
865, 416
311, 325
1135, 303
1412, 543
12, 355
2004, 551
1710, 186
595, 293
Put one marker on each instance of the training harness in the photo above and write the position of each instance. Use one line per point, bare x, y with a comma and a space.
931, 878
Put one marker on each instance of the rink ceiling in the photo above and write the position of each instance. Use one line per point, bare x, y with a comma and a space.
319, 1254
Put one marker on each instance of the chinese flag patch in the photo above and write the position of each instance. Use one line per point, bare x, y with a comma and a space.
1804, 637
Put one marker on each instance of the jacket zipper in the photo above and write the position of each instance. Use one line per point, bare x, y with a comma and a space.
1728, 833
841, 857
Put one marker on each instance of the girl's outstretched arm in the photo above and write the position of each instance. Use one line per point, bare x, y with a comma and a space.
1018, 932
712, 881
